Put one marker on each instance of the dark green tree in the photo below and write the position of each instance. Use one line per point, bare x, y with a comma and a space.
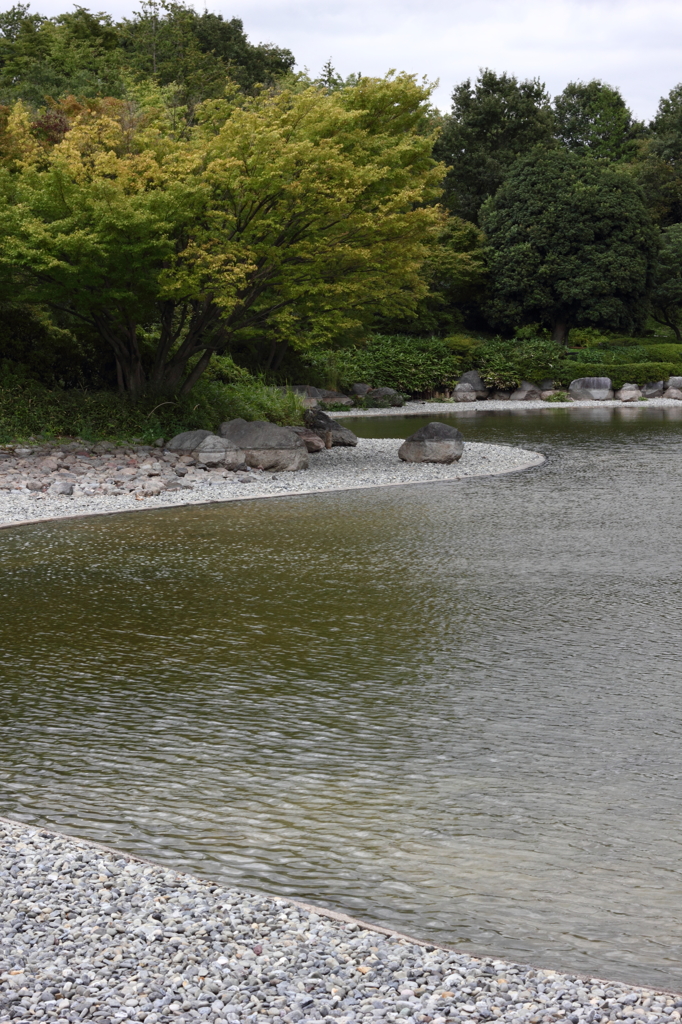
592, 118
490, 125
666, 295
570, 243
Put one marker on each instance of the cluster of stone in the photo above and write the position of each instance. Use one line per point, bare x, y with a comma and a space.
471, 388
93, 935
361, 394
195, 457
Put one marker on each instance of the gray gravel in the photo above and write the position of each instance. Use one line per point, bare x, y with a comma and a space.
447, 408
372, 463
90, 934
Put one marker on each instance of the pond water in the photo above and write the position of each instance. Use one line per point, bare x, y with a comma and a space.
452, 709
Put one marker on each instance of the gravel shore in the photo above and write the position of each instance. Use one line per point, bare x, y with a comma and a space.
372, 463
90, 934
489, 404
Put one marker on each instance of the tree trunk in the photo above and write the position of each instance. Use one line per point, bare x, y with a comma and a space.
560, 331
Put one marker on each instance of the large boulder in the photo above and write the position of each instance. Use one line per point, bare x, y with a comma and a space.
674, 382
436, 442
334, 398
331, 432
309, 395
629, 393
383, 398
464, 392
474, 378
310, 439
674, 393
361, 389
526, 392
590, 389
219, 451
267, 446
188, 441
654, 389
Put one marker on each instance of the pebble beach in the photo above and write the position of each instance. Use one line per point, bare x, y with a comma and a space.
88, 933
140, 482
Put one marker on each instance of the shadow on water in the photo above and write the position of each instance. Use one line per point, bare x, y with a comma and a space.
455, 709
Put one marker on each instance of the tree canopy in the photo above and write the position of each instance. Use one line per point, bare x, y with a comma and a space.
592, 119
570, 243
289, 217
491, 125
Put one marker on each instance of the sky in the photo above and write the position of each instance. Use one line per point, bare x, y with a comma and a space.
631, 44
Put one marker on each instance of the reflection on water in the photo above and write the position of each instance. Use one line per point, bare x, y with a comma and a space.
453, 709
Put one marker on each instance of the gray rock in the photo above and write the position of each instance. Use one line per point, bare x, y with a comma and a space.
474, 378
309, 395
384, 398
674, 382
526, 392
546, 385
331, 432
629, 393
674, 393
334, 398
310, 439
501, 396
594, 389
361, 389
266, 445
654, 389
188, 441
218, 451
436, 442
548, 393
464, 393
61, 487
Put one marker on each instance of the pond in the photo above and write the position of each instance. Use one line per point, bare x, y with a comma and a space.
453, 709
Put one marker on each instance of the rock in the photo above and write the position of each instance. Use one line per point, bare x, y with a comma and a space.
384, 398
546, 385
500, 396
436, 442
590, 389
526, 392
309, 395
329, 430
674, 393
361, 389
629, 393
674, 382
61, 487
464, 393
310, 439
474, 378
218, 451
267, 446
653, 389
334, 398
187, 441
549, 393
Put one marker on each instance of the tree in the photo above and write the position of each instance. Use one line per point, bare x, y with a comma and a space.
489, 127
666, 296
287, 218
570, 243
592, 118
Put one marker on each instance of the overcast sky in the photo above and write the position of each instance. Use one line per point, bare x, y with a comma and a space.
632, 44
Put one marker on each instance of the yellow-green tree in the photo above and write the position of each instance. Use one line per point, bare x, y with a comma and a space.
287, 218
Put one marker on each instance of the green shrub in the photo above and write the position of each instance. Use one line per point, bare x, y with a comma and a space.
664, 352
631, 373
504, 364
29, 409
408, 364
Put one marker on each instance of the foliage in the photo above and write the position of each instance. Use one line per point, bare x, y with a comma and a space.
490, 125
666, 296
408, 364
286, 218
504, 364
570, 244
592, 119
663, 352
27, 408
455, 272
88, 55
